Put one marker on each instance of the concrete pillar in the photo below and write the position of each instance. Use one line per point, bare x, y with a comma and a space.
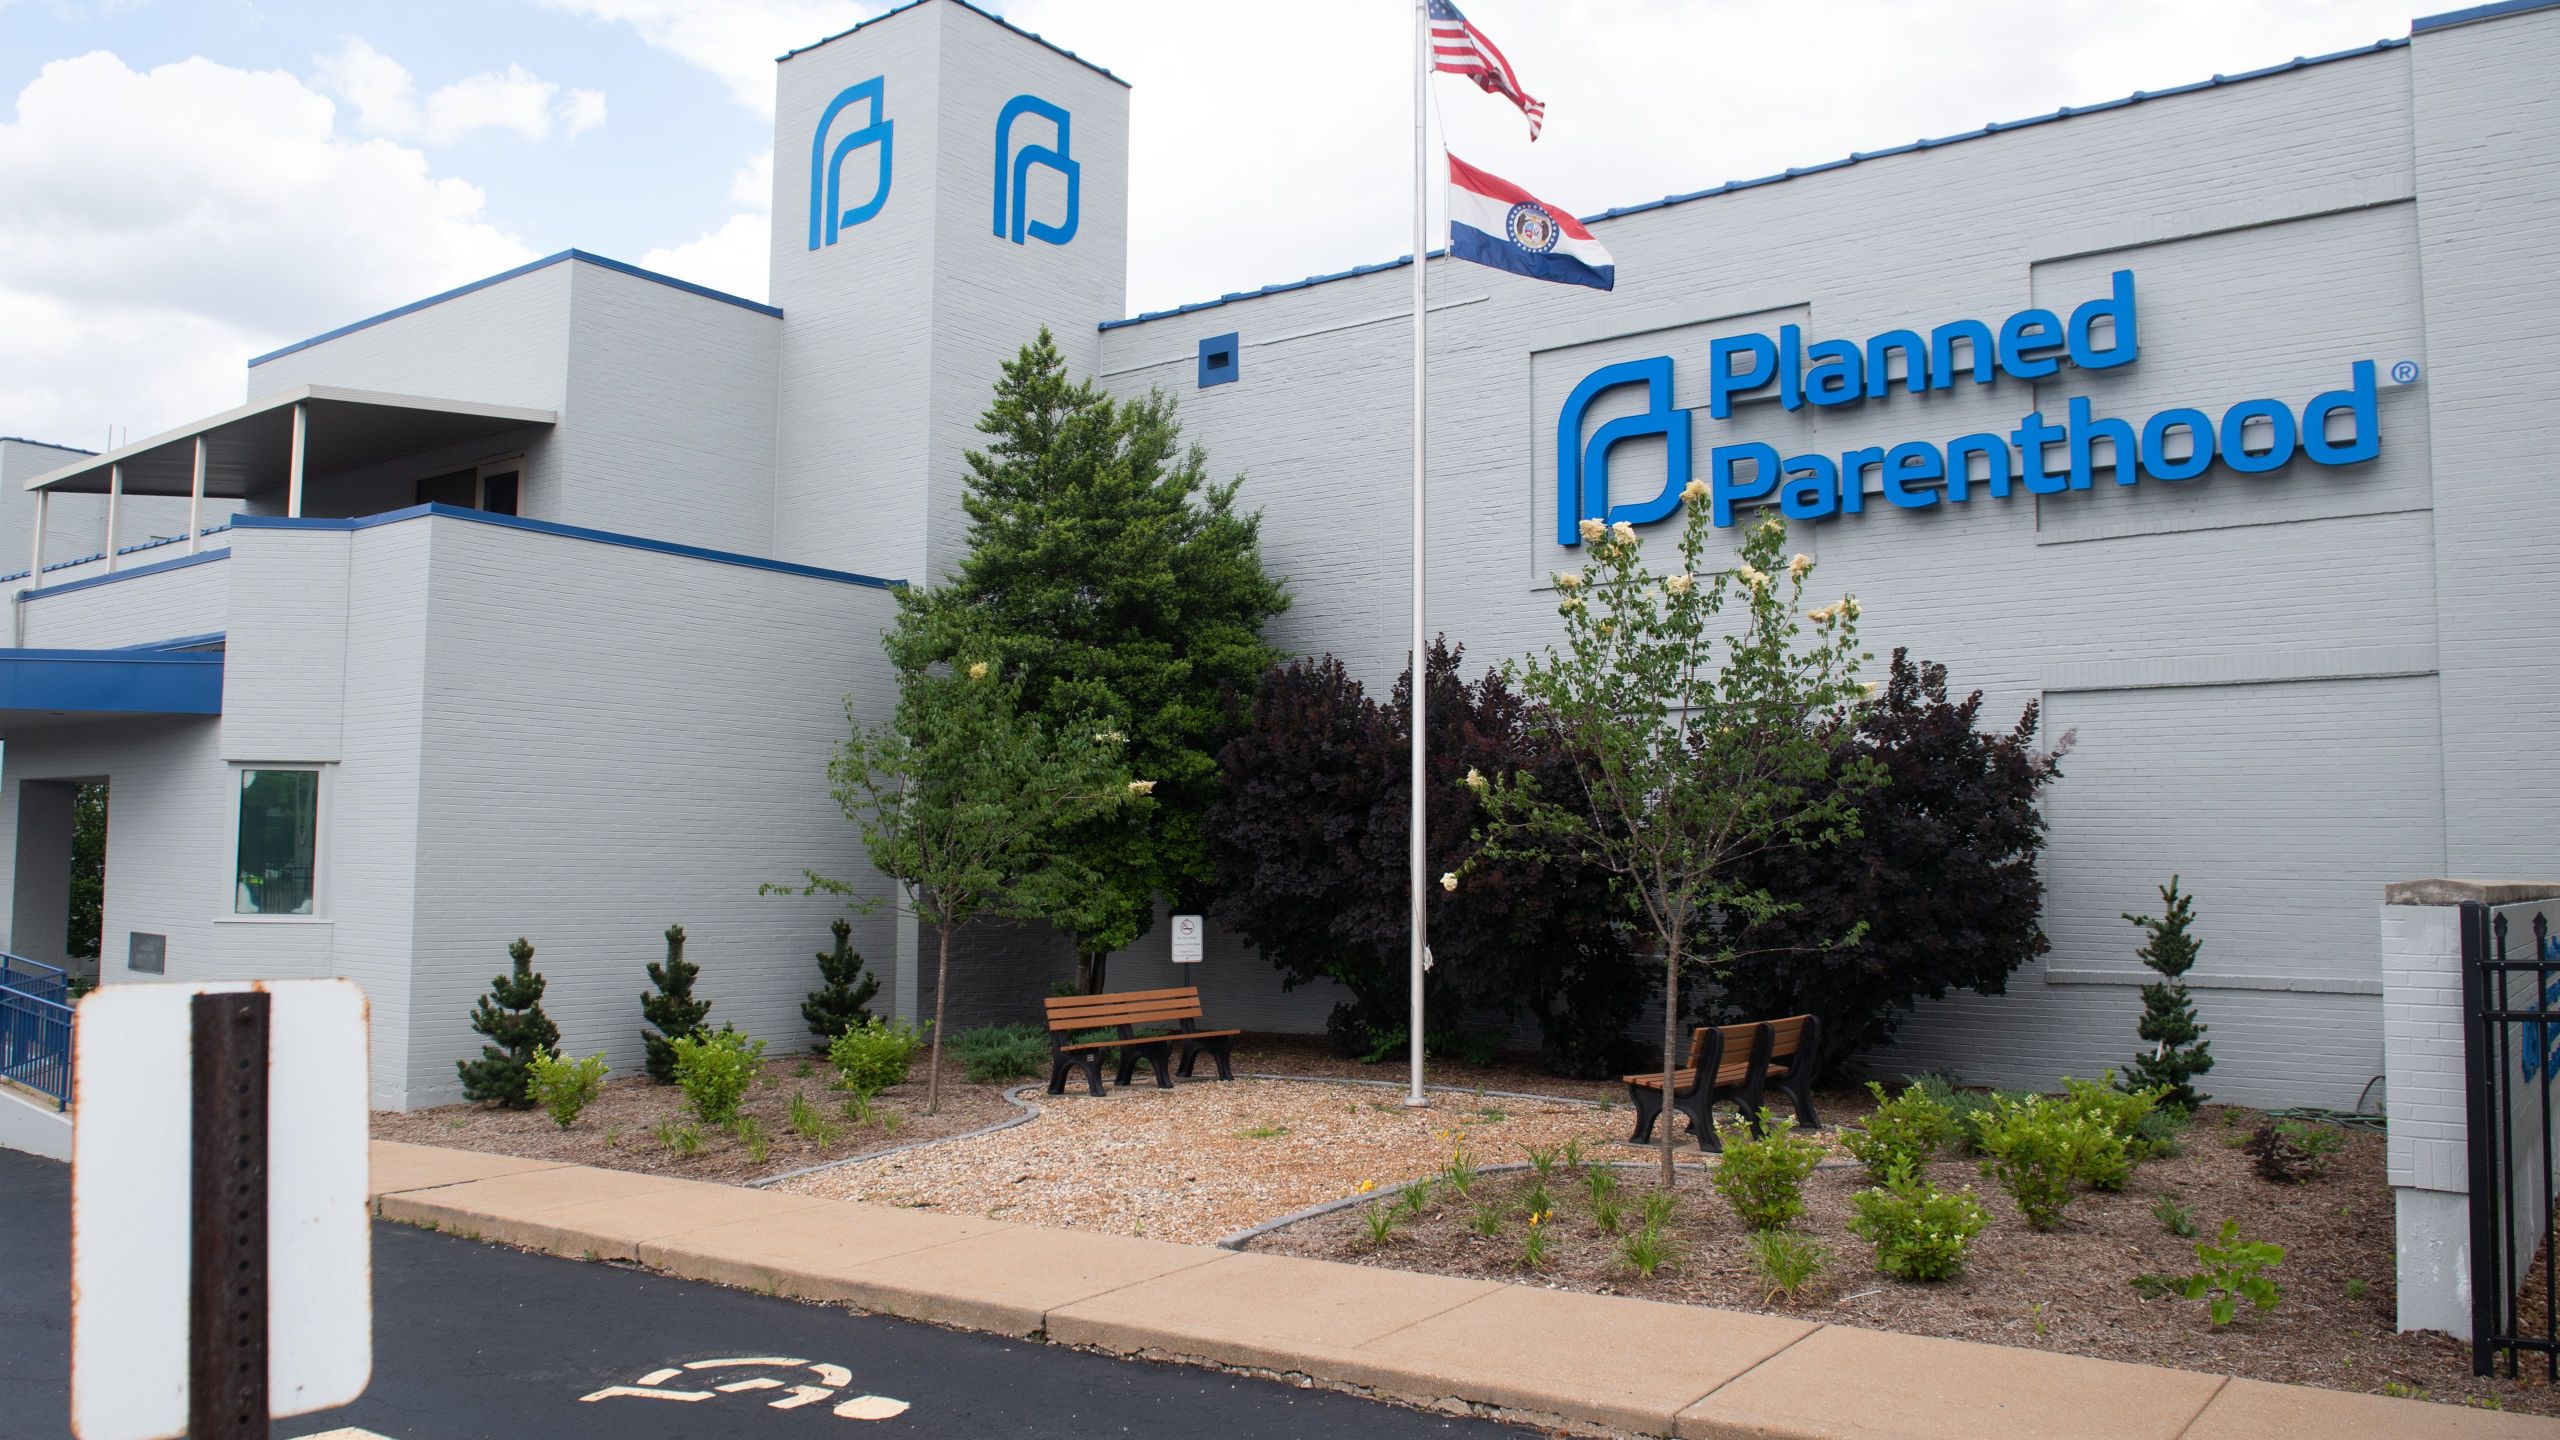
293, 472
115, 509
2422, 1065
195, 501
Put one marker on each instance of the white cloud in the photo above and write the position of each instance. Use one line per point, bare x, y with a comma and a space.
167, 224
735, 40
738, 256
513, 100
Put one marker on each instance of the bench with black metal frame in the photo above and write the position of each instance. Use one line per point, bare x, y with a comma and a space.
1070, 1015
1741, 1063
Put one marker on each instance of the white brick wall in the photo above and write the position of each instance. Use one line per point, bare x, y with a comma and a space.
2423, 1046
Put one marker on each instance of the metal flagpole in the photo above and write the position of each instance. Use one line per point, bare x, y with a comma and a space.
1417, 855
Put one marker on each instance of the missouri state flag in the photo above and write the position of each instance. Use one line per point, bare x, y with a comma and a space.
1494, 222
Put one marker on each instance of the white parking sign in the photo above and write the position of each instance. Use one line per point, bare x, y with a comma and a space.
142, 1170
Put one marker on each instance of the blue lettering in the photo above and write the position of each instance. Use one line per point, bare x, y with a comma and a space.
1854, 465
1979, 350
1812, 488
1790, 367
1724, 482
1995, 459
2123, 342
2032, 435
1724, 381
2357, 401
1915, 362
2027, 342
1906, 465
2084, 437
1833, 378
2235, 431
2155, 444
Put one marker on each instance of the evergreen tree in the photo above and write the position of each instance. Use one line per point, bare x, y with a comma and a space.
673, 1010
511, 1016
1124, 592
2178, 1049
844, 1001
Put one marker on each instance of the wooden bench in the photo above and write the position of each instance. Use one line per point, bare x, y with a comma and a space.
1070, 1015
1741, 1062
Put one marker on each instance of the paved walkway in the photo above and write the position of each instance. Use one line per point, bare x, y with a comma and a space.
1592, 1360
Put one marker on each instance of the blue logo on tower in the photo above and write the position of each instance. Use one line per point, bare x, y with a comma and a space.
828, 213
1582, 468
1013, 173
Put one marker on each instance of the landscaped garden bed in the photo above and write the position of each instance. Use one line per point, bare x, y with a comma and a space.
633, 1124
2071, 1288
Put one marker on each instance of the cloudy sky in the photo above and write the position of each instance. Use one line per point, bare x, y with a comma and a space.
186, 183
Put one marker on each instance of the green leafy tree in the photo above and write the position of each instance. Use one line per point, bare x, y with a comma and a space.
88, 870
844, 1000
672, 1010
1122, 590
2179, 1052
1690, 711
511, 1016
961, 799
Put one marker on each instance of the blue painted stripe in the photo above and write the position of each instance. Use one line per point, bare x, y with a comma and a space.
551, 527
201, 557
1997, 127
1049, 45
2451, 18
124, 682
544, 263
1466, 242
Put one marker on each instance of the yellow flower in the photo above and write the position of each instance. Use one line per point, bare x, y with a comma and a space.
1772, 522
978, 671
1819, 617
1593, 530
1568, 579
1476, 780
1679, 585
1849, 606
1142, 787
1752, 575
1695, 492
1109, 737
1872, 689
1568, 604
1365, 1187
1800, 564
1449, 881
1623, 533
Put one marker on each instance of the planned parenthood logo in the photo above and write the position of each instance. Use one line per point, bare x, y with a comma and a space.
828, 213
1013, 173
2043, 454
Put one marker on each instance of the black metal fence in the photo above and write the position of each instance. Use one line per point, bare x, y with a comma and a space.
2511, 1047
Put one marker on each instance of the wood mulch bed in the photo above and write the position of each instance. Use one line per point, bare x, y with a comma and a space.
2067, 1290
619, 1131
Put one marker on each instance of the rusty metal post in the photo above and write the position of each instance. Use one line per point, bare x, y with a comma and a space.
227, 1301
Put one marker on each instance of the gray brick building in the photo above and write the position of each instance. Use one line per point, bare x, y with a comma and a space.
558, 585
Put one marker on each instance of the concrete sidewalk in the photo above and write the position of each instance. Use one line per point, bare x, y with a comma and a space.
1590, 1360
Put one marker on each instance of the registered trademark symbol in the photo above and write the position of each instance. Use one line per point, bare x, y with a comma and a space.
2404, 372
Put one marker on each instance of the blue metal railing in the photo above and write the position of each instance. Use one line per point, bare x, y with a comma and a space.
35, 1027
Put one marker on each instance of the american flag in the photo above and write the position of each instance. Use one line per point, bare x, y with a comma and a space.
1458, 47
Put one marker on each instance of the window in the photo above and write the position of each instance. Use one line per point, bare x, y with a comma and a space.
279, 841
498, 491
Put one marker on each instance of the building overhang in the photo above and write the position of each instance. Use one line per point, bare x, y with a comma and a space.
180, 677
250, 448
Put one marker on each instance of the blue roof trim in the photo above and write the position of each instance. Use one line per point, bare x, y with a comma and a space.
1797, 172
2451, 18
47, 445
88, 582
550, 527
126, 550
125, 682
545, 263
212, 640
1032, 36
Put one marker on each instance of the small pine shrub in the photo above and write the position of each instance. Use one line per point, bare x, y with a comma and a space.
843, 997
715, 1070
1763, 1179
1788, 1262
1911, 1128
2038, 1150
874, 1055
2179, 1051
511, 1016
996, 1054
672, 1012
1920, 1232
565, 1087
